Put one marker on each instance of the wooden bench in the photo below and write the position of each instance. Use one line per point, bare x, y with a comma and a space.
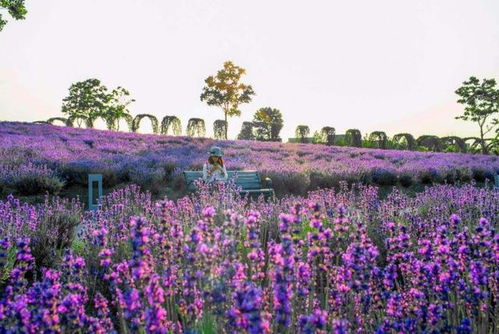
248, 180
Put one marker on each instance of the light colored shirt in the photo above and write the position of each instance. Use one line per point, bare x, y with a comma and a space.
212, 173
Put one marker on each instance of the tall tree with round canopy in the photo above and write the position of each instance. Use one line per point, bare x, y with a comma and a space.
225, 90
268, 123
87, 99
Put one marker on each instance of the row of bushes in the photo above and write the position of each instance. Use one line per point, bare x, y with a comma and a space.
35, 180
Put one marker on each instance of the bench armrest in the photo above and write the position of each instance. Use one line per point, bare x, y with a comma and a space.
268, 182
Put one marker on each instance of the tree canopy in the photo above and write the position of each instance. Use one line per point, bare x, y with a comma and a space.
91, 99
269, 123
225, 90
15, 8
481, 101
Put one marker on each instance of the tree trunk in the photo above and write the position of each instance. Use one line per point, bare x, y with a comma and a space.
226, 125
482, 140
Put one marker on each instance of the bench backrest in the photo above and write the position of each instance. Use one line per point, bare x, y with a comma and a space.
247, 179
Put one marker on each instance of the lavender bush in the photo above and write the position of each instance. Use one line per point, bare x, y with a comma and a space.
331, 262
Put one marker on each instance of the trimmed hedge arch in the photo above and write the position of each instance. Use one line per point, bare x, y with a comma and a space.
115, 122
196, 127
60, 119
432, 143
353, 137
91, 122
302, 132
246, 131
75, 119
219, 129
409, 139
138, 118
454, 141
475, 144
379, 138
171, 123
328, 133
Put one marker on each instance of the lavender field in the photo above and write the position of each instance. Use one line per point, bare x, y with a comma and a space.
340, 259
333, 262
35, 159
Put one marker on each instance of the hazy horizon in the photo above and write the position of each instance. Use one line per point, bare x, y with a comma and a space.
389, 65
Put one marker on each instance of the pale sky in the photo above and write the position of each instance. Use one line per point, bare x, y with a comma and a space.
389, 65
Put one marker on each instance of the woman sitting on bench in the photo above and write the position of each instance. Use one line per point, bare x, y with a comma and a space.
214, 170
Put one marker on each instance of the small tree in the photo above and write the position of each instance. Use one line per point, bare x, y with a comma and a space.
15, 8
268, 123
119, 101
87, 99
225, 91
302, 132
481, 102
246, 131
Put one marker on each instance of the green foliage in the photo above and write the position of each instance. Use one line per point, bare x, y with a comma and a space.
429, 143
327, 135
196, 127
171, 123
481, 102
34, 184
269, 123
246, 132
404, 141
90, 99
136, 122
302, 132
15, 8
225, 90
379, 139
119, 101
219, 129
353, 137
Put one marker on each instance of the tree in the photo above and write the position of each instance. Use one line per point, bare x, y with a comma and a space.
481, 102
90, 99
246, 131
15, 8
119, 101
269, 123
225, 91
87, 99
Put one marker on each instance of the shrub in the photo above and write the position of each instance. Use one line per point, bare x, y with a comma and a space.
52, 236
320, 180
406, 180
30, 179
152, 179
38, 184
481, 174
384, 177
430, 176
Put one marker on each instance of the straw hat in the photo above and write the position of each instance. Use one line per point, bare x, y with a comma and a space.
215, 151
